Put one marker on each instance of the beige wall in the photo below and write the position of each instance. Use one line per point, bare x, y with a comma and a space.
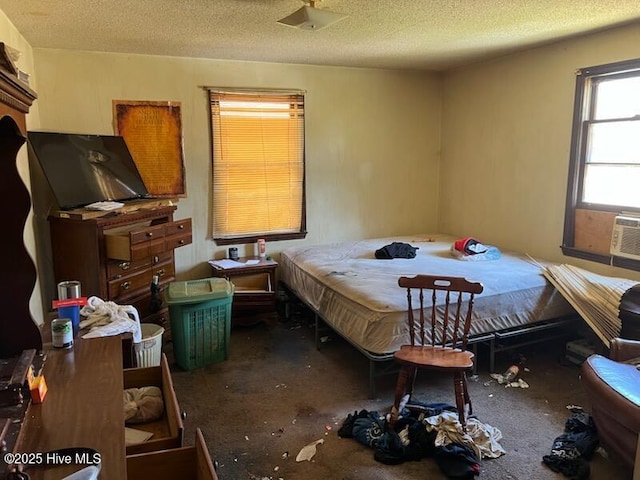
373, 136
506, 140
12, 37
373, 140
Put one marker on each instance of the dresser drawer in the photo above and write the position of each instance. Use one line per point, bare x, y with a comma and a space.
177, 234
186, 462
168, 431
128, 285
121, 268
137, 241
178, 227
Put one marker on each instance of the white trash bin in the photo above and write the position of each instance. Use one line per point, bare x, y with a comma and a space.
149, 350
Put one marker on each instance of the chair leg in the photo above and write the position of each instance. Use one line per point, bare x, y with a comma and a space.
413, 374
459, 386
467, 399
401, 388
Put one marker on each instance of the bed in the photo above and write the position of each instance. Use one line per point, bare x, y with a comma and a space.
357, 295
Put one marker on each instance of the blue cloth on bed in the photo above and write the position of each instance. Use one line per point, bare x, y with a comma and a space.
492, 253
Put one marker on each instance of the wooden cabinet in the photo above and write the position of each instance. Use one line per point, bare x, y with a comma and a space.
116, 256
18, 331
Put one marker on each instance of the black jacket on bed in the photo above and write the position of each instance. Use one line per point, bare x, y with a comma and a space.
396, 250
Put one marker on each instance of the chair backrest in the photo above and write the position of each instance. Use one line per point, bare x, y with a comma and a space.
444, 312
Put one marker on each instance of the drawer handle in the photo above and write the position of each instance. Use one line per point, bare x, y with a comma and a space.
181, 242
161, 272
156, 259
180, 227
124, 265
149, 234
125, 285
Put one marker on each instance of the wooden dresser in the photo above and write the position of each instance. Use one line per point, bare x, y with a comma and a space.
116, 256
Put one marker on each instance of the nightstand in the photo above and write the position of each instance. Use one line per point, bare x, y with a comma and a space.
255, 289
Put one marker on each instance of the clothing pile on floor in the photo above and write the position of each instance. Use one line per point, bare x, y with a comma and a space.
572, 450
426, 430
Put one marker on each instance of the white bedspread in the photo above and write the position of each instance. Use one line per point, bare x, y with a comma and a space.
358, 295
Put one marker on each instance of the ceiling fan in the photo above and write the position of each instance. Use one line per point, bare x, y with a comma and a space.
311, 18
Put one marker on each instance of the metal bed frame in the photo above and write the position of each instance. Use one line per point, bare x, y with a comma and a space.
497, 341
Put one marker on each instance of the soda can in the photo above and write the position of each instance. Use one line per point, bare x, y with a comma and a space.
62, 333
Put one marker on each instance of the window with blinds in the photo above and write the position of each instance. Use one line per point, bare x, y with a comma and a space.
258, 166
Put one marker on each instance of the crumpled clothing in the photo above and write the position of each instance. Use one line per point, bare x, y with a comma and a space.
368, 430
396, 250
491, 253
346, 429
571, 450
108, 318
469, 246
483, 439
143, 404
457, 461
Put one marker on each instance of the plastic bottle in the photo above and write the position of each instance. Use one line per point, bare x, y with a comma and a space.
514, 370
511, 373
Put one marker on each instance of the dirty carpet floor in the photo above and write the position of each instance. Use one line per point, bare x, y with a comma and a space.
277, 393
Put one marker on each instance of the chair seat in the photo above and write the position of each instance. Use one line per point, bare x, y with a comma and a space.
441, 358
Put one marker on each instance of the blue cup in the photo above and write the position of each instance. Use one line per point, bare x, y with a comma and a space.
73, 314
68, 291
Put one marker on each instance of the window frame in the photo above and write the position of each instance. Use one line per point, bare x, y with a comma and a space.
253, 237
584, 104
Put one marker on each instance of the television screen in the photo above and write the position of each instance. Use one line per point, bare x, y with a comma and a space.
84, 169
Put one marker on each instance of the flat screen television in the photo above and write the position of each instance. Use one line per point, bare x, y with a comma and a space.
84, 169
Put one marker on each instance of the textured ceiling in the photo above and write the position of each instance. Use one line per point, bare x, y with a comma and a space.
406, 34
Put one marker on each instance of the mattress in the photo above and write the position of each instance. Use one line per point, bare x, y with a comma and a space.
359, 297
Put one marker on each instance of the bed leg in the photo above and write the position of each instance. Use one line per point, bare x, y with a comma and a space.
372, 379
317, 330
492, 355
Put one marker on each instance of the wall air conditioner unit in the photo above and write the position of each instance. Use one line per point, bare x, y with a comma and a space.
625, 239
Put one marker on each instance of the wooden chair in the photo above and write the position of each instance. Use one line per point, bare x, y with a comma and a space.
438, 336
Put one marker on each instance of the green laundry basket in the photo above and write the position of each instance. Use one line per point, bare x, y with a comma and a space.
200, 315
